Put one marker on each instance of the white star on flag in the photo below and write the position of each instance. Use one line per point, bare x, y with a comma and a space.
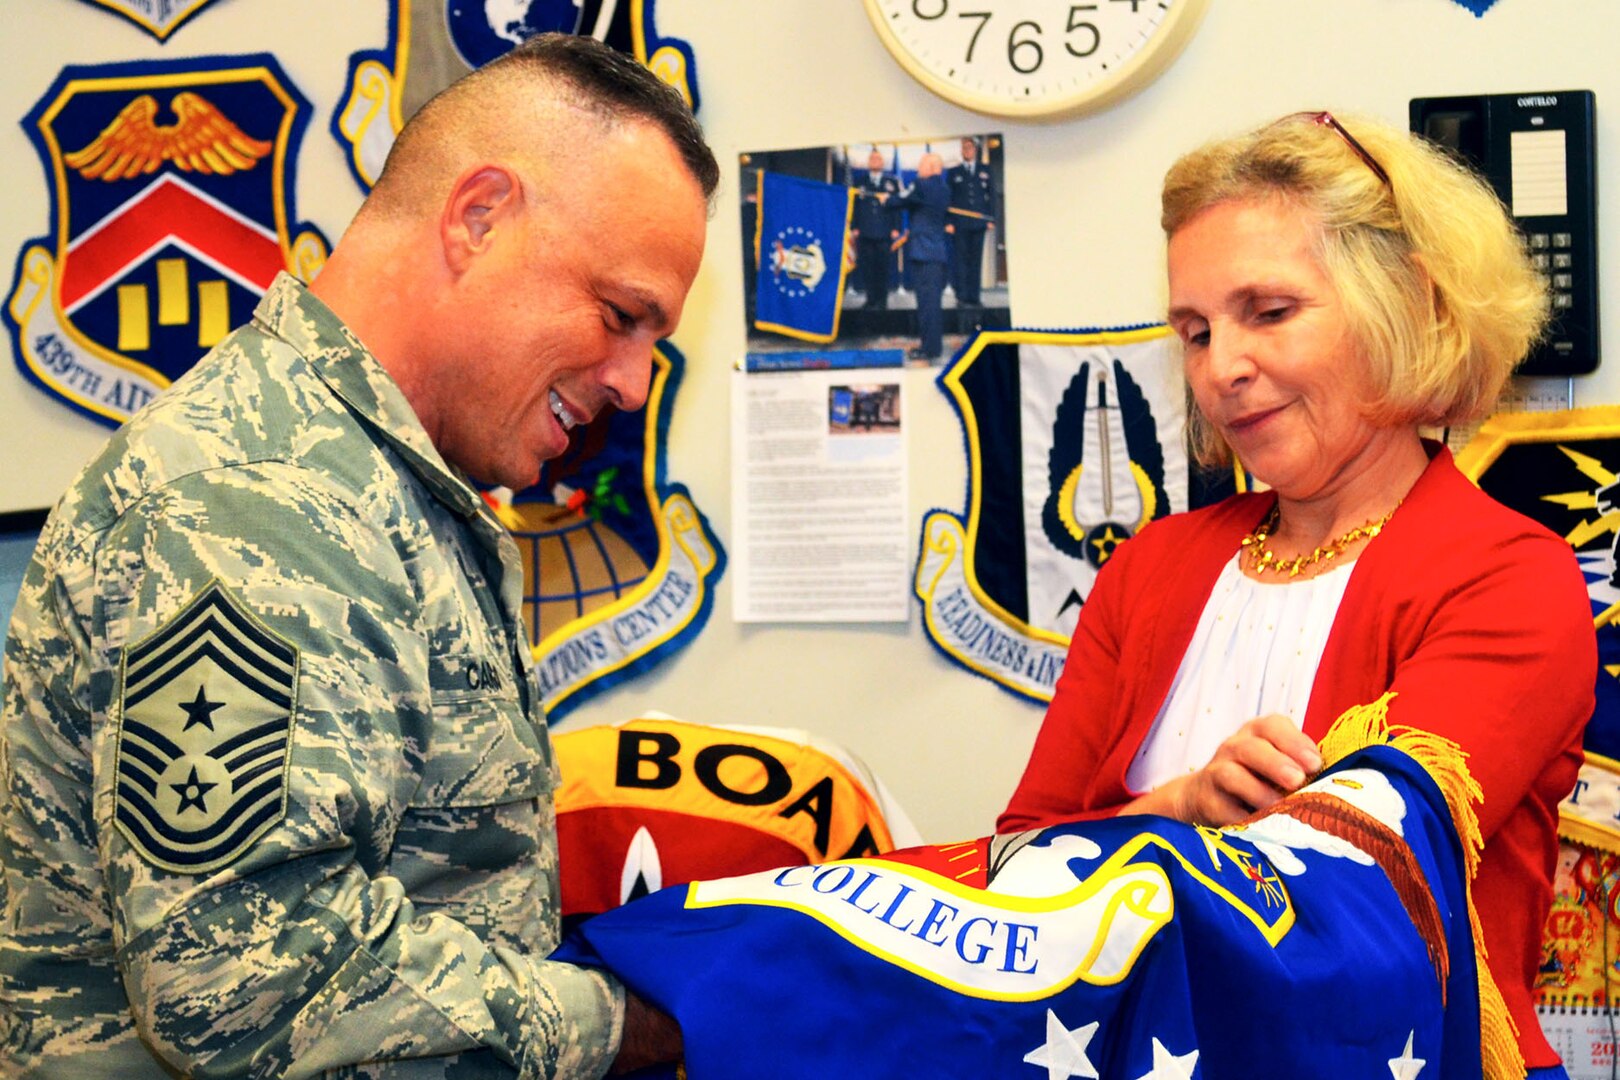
1167, 1066
1406, 1067
1064, 1053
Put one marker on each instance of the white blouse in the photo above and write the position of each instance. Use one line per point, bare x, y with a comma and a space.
1255, 652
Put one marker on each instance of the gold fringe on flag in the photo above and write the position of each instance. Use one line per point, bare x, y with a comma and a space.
1447, 764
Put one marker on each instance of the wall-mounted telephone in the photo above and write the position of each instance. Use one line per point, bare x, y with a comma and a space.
1539, 152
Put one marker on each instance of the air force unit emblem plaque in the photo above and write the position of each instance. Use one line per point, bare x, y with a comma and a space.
160, 18
171, 200
1074, 444
619, 564
431, 43
204, 729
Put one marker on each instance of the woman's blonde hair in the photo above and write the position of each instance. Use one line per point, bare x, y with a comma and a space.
1435, 281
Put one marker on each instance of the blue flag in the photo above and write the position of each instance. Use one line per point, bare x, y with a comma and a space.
1329, 938
843, 406
803, 229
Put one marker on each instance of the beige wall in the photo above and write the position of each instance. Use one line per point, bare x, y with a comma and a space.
1081, 200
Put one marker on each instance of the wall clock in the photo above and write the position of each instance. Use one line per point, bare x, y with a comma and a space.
1035, 59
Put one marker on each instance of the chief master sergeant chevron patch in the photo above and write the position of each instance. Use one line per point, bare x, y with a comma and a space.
204, 718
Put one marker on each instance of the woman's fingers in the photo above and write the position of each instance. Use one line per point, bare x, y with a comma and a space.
1226, 790
1265, 759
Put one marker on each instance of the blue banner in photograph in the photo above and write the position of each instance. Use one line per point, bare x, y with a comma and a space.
803, 230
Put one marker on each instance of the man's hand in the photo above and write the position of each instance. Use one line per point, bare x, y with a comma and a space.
1264, 760
651, 1037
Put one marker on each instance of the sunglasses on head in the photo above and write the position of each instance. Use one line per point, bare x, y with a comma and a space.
1325, 119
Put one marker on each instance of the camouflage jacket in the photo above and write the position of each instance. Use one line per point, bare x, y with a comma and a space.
277, 787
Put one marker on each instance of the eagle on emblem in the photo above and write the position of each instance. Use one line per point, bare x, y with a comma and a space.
201, 140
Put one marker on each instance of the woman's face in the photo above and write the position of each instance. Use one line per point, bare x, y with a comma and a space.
1269, 354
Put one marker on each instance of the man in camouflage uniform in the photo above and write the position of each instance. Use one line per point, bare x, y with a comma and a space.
276, 780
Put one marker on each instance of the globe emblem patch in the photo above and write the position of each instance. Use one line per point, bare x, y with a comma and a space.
204, 729
481, 30
587, 565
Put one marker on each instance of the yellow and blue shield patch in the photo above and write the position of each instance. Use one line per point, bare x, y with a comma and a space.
1074, 443
171, 205
619, 564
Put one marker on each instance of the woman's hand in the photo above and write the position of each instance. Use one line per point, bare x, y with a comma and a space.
1265, 759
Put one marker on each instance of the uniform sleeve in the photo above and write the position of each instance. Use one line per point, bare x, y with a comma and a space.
1078, 730
1505, 666
299, 948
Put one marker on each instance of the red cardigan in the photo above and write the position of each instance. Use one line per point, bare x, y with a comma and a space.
1476, 616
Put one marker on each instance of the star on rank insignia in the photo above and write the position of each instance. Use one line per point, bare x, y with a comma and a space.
204, 723
171, 212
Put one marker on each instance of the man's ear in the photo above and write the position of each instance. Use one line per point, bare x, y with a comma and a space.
482, 199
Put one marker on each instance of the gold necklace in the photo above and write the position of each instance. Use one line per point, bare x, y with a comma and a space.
1262, 558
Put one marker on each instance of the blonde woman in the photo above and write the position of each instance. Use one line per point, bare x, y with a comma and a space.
1336, 288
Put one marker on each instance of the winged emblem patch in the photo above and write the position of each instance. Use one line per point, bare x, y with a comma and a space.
171, 214
202, 139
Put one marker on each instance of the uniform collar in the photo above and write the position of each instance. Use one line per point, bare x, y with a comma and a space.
294, 314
